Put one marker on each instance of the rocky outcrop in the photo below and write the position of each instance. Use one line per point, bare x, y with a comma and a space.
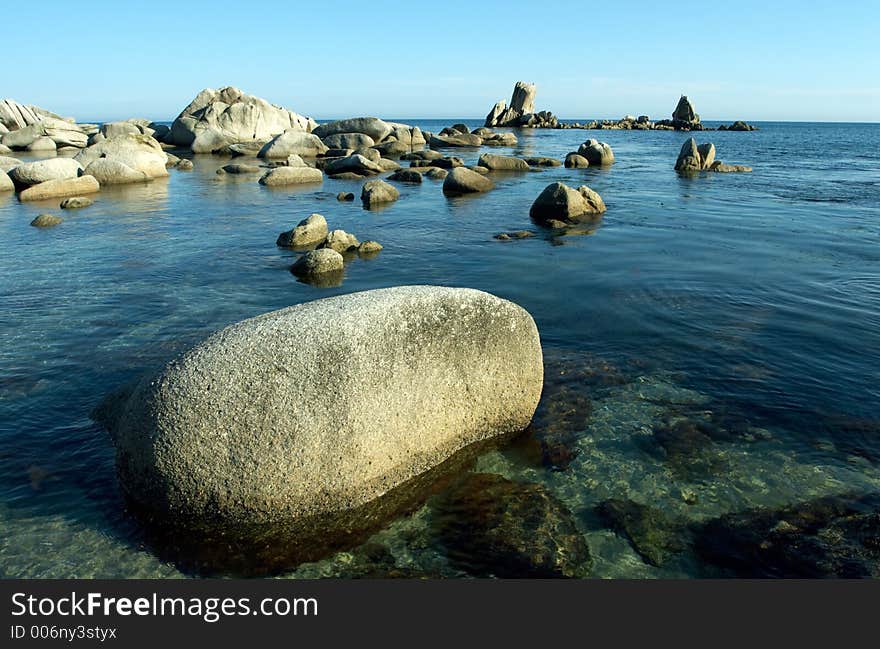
684, 112
321, 408
559, 202
693, 159
60, 189
217, 118
738, 125
141, 153
521, 111
462, 180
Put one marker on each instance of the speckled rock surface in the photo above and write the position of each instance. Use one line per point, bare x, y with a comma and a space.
324, 406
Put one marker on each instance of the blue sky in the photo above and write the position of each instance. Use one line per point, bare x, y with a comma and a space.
744, 60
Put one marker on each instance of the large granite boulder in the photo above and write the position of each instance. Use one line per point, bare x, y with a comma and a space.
321, 408
229, 116
109, 171
33, 173
357, 164
139, 152
293, 142
559, 202
374, 127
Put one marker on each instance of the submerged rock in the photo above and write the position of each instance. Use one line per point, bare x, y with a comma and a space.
76, 202
836, 536
495, 527
46, 221
311, 411
108, 171
502, 163
345, 196
539, 161
656, 536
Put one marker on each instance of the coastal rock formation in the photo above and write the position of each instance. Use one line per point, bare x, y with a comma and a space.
323, 407
139, 152
291, 176
32, 128
693, 158
293, 142
502, 163
521, 111
559, 202
376, 192
60, 189
33, 173
228, 116
465, 181
738, 125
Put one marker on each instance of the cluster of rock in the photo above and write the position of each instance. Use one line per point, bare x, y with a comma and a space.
590, 153
459, 135
30, 128
521, 112
336, 421
694, 158
326, 250
738, 125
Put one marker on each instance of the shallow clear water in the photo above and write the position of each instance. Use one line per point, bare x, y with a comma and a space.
754, 295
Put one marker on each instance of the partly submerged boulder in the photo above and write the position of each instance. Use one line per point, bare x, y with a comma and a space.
374, 127
60, 188
559, 202
378, 192
321, 408
502, 163
291, 176
462, 180
598, 154
231, 116
308, 232
293, 142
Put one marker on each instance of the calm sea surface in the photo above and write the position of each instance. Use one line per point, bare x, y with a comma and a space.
713, 346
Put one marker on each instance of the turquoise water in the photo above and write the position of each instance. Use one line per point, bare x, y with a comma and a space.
712, 347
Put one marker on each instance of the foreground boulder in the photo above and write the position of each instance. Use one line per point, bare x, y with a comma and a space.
217, 118
462, 180
60, 189
321, 408
559, 202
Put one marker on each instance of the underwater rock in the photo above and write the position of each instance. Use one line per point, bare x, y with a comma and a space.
836, 536
492, 526
652, 533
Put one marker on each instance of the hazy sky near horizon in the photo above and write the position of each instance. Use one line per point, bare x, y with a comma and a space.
103, 60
